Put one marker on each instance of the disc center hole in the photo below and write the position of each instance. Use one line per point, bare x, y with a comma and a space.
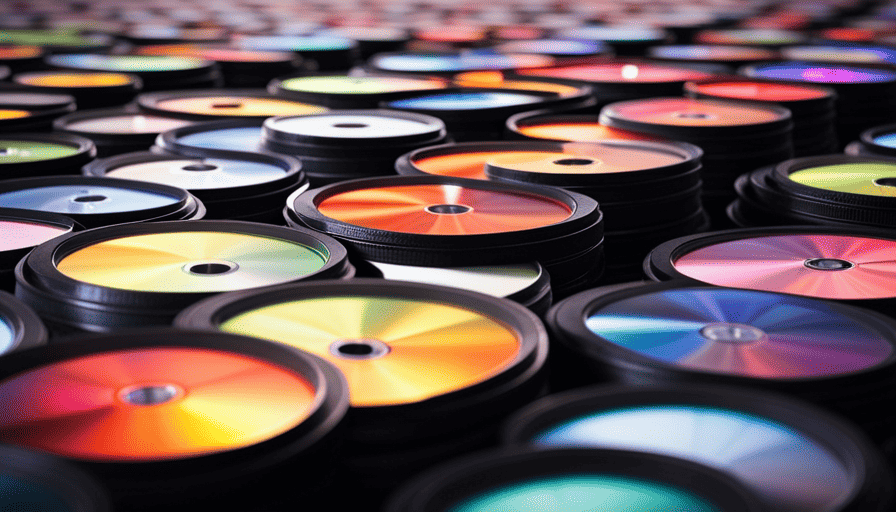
359, 349
693, 115
90, 199
224, 105
828, 264
350, 125
725, 332
885, 182
150, 395
199, 167
448, 209
211, 268
574, 161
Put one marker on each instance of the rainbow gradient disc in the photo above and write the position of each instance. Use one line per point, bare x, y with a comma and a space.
442, 210
816, 265
191, 261
338, 84
7, 337
742, 333
466, 101
151, 404
584, 492
393, 351
83, 199
127, 123
17, 234
246, 139
197, 175
865, 178
126, 63
775, 461
237, 106
21, 151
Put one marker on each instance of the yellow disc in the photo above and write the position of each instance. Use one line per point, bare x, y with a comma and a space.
65, 79
13, 114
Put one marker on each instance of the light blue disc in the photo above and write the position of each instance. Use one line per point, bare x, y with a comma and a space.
85, 199
235, 139
7, 337
887, 139
466, 101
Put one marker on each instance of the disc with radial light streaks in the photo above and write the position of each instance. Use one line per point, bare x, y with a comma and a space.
191, 261
742, 333
443, 209
814, 262
84, 199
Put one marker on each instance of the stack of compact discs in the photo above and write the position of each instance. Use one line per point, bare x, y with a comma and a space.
835, 355
94, 202
211, 104
42, 154
118, 130
735, 137
624, 79
812, 108
216, 418
240, 68
540, 125
90, 89
775, 446
347, 144
451, 63
626, 40
353, 92
213, 139
320, 53
444, 222
32, 480
20, 327
32, 111
879, 141
647, 191
526, 283
853, 265
21, 231
573, 480
145, 274
20, 58
831, 189
571, 95
864, 94
253, 187
473, 114
730, 56
431, 370
156, 72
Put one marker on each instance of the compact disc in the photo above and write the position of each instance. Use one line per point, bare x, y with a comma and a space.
620, 72
863, 178
822, 73
466, 101
192, 174
468, 61
84, 199
234, 106
495, 280
687, 112
351, 126
126, 63
338, 84
17, 234
247, 139
127, 123
21, 151
74, 80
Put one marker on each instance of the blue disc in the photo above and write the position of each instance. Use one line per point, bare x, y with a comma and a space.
18, 494
235, 139
296, 43
887, 139
85, 199
7, 337
780, 464
466, 101
421, 62
569, 47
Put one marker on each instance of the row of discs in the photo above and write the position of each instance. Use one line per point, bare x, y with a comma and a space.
825, 190
646, 190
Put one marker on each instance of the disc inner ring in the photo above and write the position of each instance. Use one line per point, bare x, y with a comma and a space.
828, 264
886, 182
210, 268
693, 115
150, 394
90, 198
733, 333
350, 125
575, 161
448, 209
361, 348
200, 167
222, 106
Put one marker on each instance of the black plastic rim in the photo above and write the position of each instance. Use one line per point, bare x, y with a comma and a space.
871, 489
77, 490
28, 329
446, 486
150, 102
330, 404
86, 151
39, 270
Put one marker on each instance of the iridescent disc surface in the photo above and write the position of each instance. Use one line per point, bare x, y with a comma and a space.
823, 73
295, 43
690, 112
84, 199
443, 210
712, 52
774, 460
128, 123
392, 351
152, 404
887, 139
191, 261
194, 174
862, 268
466, 101
29, 495
865, 178
351, 126
236, 139
585, 492
7, 336
21, 151
421, 62
580, 132
741, 332
64, 79
615, 33
495, 280
620, 72
126, 63
339, 84
598, 159
238, 106
569, 47
17, 234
